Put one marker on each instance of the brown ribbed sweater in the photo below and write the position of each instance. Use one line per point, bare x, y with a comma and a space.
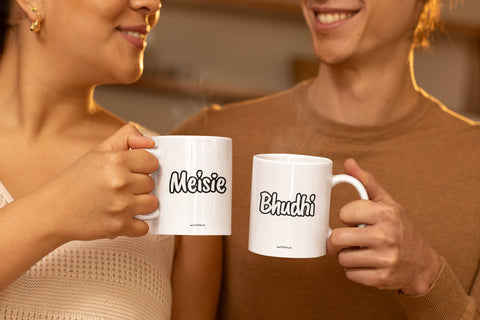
429, 162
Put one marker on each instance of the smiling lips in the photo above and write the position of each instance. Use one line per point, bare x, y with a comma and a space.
136, 35
332, 17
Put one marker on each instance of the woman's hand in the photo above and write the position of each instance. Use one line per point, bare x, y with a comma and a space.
389, 253
99, 195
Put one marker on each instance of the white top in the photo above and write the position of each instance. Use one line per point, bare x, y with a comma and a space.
5, 197
121, 279
125, 278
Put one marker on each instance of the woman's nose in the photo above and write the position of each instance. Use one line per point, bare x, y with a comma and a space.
148, 6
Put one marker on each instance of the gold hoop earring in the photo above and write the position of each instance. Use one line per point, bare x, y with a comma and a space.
36, 25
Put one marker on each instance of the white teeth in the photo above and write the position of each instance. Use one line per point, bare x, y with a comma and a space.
137, 35
328, 18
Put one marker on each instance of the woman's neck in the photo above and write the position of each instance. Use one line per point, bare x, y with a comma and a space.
367, 94
33, 101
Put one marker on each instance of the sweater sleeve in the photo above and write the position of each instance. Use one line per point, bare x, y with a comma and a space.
445, 300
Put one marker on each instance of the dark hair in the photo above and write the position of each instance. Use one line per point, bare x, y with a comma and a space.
4, 22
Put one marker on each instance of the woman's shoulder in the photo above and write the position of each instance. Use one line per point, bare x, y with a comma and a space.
108, 123
145, 131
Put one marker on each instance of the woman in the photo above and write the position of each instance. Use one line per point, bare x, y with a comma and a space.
67, 163
419, 254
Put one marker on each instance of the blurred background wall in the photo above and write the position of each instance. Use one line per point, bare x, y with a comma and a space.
217, 51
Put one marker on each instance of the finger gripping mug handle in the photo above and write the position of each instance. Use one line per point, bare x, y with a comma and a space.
156, 213
345, 178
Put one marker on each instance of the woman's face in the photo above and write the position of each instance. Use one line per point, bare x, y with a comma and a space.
360, 29
99, 41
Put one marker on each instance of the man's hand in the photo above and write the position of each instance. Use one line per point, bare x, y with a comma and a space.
388, 253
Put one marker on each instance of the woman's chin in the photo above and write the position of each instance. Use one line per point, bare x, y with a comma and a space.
129, 77
133, 79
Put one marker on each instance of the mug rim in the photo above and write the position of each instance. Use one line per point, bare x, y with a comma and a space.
192, 137
292, 158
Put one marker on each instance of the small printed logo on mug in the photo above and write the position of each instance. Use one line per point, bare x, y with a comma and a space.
302, 206
180, 182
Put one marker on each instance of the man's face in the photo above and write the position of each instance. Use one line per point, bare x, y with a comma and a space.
357, 29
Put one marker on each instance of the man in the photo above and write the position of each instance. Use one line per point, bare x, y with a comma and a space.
418, 257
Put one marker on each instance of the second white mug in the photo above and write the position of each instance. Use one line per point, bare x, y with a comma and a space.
290, 204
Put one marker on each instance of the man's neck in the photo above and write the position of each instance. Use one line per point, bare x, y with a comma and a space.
367, 95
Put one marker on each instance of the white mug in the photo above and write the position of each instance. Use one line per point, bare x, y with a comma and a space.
290, 204
193, 184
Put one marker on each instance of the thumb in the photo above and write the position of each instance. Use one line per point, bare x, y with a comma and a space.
127, 137
375, 191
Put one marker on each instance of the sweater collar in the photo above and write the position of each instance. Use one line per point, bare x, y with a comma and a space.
359, 134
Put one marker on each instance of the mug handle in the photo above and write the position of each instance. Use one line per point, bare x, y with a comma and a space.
345, 178
156, 213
